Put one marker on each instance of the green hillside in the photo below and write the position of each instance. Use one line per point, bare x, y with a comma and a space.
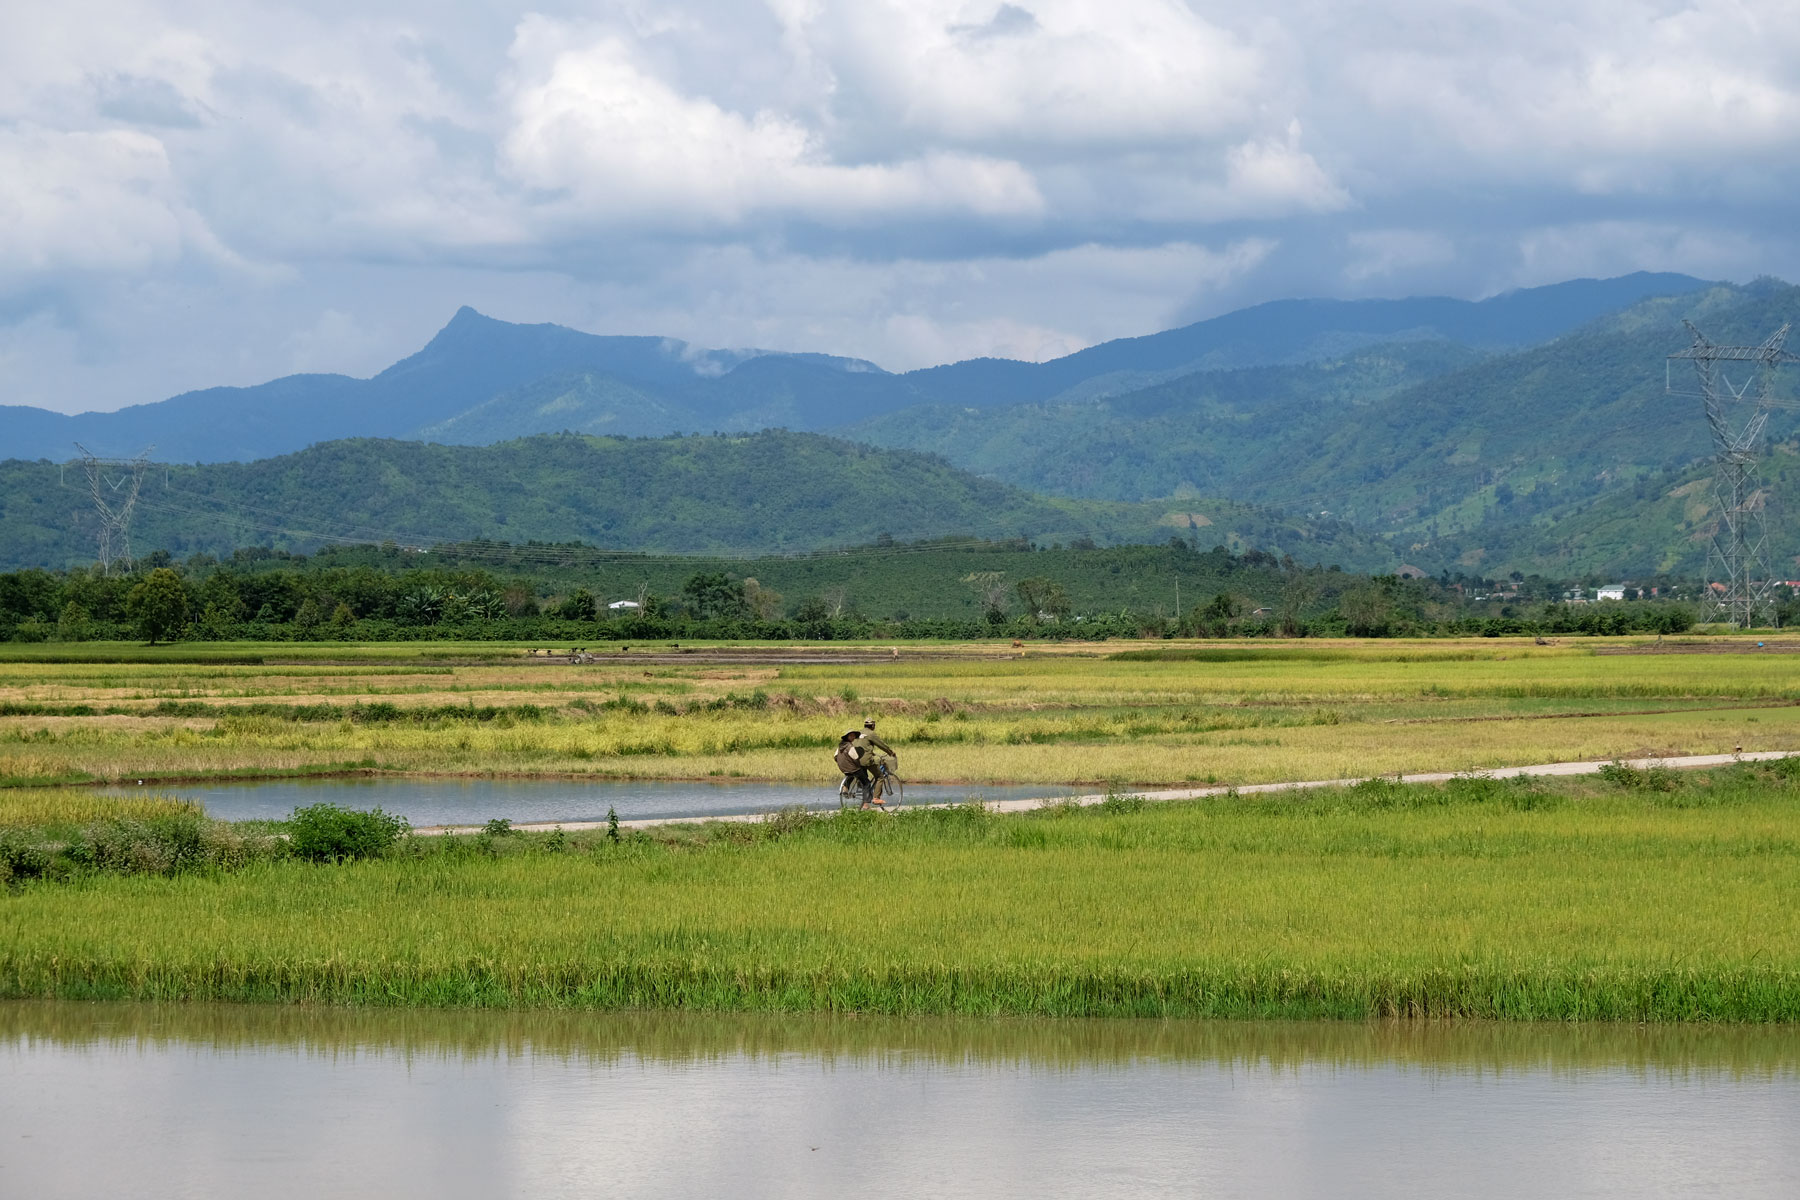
1659, 524
773, 492
1239, 433
1441, 461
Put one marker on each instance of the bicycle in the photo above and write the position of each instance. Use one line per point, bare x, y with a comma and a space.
882, 787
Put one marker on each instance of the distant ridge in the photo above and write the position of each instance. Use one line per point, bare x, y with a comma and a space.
480, 379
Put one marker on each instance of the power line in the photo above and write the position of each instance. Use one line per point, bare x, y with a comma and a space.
115, 500
1739, 537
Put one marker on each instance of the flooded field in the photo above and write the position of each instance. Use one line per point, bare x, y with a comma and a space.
207, 1101
427, 802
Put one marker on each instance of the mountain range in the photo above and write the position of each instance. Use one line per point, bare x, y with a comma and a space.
1537, 430
481, 380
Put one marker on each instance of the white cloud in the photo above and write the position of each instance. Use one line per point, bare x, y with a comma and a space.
87, 201
185, 184
590, 120
1128, 74
1384, 252
1608, 94
1602, 248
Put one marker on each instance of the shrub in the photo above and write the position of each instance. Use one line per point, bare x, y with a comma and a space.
1653, 778
20, 857
329, 833
154, 845
1122, 802
498, 827
164, 844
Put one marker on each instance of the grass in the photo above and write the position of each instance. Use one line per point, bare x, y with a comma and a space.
1166, 713
1582, 900
56, 808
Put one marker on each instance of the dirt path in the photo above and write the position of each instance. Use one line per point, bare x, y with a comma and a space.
1551, 770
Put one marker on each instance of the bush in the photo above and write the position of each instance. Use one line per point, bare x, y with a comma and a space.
164, 844
329, 833
1653, 778
20, 857
157, 845
1122, 802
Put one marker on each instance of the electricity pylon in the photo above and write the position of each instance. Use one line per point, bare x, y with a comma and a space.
1736, 561
114, 500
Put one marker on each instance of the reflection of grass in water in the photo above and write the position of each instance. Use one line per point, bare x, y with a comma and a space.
1578, 900
687, 1037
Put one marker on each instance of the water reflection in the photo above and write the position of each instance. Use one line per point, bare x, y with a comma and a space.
218, 1100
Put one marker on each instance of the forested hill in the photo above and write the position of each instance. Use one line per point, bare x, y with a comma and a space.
771, 492
1457, 462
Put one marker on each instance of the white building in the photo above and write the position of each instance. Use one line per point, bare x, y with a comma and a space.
624, 605
1612, 591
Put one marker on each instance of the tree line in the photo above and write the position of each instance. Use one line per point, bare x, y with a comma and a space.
262, 595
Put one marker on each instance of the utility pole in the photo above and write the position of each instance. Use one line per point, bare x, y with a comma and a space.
114, 499
1736, 560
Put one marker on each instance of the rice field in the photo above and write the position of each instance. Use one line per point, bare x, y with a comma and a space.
1145, 715
1638, 899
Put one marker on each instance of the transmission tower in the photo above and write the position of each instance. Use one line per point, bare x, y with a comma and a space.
115, 496
1736, 560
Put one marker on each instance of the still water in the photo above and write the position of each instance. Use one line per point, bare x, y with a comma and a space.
472, 801
277, 1102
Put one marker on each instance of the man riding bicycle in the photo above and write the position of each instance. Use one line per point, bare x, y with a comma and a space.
856, 759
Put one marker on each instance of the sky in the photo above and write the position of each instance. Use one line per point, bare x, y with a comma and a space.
200, 192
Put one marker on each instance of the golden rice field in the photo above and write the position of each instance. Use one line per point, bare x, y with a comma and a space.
1069, 713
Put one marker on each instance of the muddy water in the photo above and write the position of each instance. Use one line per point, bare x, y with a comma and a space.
473, 801
278, 1102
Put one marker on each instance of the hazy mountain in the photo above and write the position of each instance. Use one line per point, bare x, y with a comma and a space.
1296, 331
471, 360
480, 379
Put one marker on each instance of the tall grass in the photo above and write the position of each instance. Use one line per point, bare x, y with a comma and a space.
62, 807
1476, 899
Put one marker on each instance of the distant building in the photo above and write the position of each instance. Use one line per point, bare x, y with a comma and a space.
1612, 591
624, 605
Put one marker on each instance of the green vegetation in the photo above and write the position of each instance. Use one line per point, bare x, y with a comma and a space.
1254, 432
1530, 901
767, 493
946, 590
330, 833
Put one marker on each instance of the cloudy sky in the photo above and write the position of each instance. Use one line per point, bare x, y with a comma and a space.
196, 192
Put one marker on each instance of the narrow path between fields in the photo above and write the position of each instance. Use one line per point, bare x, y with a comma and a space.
1546, 769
